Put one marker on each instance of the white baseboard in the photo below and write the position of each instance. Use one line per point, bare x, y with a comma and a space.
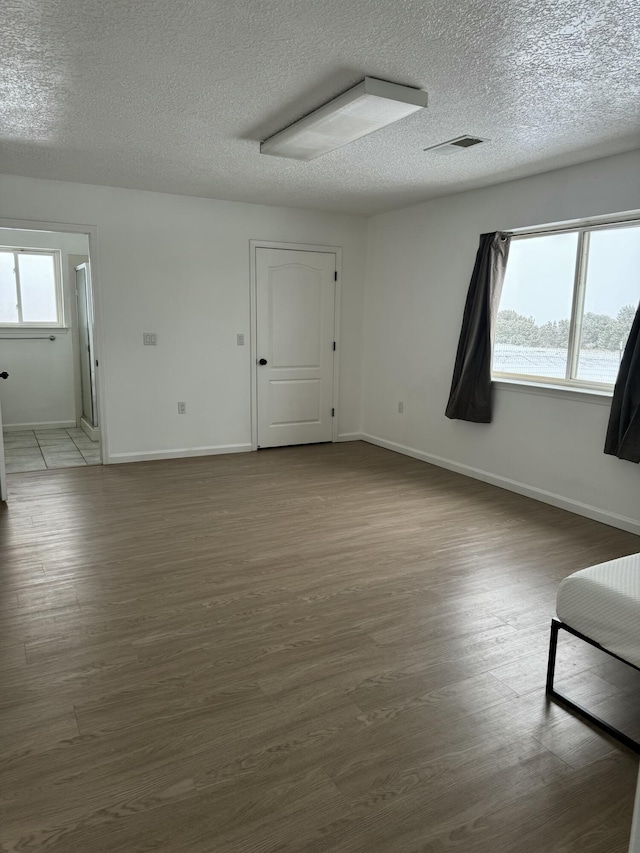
350, 436
40, 425
577, 507
90, 431
178, 453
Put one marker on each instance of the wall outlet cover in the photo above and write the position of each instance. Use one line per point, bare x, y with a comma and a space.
182, 408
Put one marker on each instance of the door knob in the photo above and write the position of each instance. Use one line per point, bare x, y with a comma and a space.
262, 361
4, 375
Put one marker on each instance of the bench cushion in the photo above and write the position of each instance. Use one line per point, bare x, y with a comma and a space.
603, 603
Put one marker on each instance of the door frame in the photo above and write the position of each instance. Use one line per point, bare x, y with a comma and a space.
253, 319
96, 292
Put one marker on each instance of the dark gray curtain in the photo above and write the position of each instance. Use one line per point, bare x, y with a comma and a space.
623, 433
470, 397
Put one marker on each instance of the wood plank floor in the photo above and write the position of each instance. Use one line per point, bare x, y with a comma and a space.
325, 648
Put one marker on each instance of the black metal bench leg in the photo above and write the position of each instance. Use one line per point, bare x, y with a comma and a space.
556, 625
553, 649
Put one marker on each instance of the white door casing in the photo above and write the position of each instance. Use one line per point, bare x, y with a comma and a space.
295, 334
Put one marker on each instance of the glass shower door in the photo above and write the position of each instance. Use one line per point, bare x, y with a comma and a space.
85, 336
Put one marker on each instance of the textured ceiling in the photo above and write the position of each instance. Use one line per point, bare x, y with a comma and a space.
174, 95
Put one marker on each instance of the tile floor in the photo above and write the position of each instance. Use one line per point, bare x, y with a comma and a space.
36, 450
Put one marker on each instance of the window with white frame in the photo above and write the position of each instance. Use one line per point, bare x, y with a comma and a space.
567, 305
30, 292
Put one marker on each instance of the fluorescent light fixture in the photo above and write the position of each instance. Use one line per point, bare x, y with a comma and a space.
366, 107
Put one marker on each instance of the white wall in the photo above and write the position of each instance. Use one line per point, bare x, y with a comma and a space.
179, 266
419, 262
41, 389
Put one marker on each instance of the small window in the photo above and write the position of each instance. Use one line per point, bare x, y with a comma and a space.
30, 288
567, 305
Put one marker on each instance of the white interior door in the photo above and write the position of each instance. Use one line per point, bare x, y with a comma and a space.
3, 473
295, 305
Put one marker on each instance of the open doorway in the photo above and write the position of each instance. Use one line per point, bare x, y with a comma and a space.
49, 399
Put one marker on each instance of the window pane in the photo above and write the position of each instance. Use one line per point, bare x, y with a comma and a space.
532, 331
8, 296
611, 298
38, 288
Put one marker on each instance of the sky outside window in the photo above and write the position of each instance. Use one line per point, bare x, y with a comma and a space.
539, 278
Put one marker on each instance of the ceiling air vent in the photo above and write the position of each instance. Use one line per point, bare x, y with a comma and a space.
457, 144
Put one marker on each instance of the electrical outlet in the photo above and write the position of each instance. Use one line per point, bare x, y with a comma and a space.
240, 339
149, 339
400, 407
182, 408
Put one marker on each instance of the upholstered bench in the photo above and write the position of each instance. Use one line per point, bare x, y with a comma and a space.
600, 605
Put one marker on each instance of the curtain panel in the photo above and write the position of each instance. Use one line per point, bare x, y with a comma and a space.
623, 432
470, 396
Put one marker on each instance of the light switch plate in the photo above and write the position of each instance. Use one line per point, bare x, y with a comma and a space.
150, 339
240, 339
